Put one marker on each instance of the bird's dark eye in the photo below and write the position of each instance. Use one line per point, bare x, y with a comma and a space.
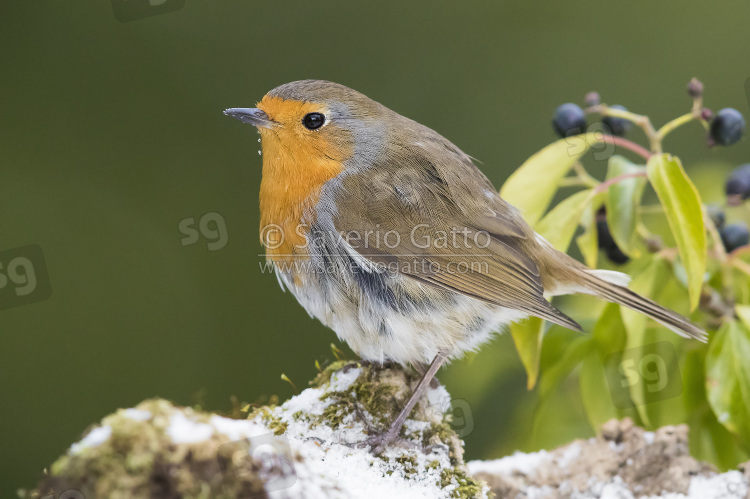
313, 121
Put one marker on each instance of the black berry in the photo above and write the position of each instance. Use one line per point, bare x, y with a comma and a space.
615, 255
735, 235
738, 183
607, 243
727, 127
569, 120
617, 126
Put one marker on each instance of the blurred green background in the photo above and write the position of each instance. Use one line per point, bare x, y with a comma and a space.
111, 133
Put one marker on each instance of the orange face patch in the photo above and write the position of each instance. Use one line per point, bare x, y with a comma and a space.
296, 164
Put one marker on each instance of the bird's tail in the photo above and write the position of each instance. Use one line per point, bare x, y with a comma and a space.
610, 286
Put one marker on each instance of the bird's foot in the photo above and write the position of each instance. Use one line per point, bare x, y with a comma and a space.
378, 442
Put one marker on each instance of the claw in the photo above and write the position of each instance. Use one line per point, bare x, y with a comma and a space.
378, 443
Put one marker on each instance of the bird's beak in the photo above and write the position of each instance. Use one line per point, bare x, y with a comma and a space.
251, 115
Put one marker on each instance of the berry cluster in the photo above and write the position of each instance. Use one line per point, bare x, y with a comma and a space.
734, 235
570, 119
724, 128
737, 189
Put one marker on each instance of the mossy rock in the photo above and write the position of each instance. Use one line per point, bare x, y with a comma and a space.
309, 445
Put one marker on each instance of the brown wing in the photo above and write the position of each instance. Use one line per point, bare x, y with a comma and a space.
406, 218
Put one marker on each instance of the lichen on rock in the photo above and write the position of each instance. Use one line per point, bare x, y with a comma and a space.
156, 450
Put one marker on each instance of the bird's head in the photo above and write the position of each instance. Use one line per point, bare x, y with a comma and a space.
316, 125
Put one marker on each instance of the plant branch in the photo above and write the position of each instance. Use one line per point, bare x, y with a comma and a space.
614, 180
627, 144
743, 266
654, 243
571, 182
639, 120
739, 251
584, 176
698, 112
714, 304
676, 123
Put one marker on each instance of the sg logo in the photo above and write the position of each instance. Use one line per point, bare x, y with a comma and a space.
211, 226
458, 415
23, 276
132, 10
654, 367
268, 456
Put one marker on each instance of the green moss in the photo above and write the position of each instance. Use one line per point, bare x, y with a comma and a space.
377, 397
278, 428
269, 419
409, 464
468, 487
333, 415
139, 459
324, 376
367, 394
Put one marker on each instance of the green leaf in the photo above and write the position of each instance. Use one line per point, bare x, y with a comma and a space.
709, 440
560, 224
609, 331
533, 185
573, 355
623, 202
588, 242
695, 396
608, 337
743, 312
595, 393
527, 336
728, 378
682, 207
646, 283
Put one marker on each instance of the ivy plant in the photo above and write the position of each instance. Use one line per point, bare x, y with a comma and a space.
697, 265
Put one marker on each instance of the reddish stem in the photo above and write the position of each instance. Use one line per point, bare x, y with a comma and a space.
605, 185
626, 144
736, 253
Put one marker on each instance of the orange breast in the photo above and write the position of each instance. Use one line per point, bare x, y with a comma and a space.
296, 164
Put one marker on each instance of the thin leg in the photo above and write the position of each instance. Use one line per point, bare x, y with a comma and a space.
379, 442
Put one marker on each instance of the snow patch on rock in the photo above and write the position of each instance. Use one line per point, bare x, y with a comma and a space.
94, 438
184, 430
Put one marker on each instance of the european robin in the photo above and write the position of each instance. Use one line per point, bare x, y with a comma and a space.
390, 235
